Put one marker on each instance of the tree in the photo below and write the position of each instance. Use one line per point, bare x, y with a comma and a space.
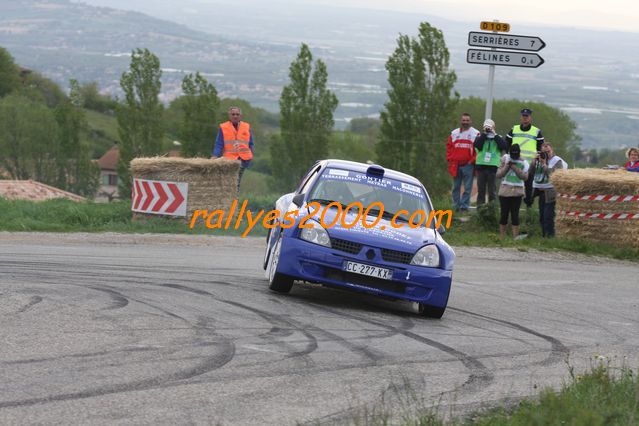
200, 104
306, 121
350, 146
75, 171
139, 115
42, 90
28, 143
93, 100
419, 112
9, 73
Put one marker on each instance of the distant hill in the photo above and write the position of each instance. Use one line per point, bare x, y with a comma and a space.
592, 75
69, 40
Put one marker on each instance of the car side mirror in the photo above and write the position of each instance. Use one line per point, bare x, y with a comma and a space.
441, 229
298, 199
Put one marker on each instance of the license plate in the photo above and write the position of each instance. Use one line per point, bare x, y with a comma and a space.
368, 270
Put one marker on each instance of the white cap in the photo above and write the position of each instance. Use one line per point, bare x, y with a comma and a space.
489, 123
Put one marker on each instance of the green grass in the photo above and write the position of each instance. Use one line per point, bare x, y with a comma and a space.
105, 123
59, 215
601, 397
67, 216
482, 230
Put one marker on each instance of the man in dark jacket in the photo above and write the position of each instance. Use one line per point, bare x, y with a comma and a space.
489, 147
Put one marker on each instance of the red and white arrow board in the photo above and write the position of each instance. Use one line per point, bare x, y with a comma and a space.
159, 197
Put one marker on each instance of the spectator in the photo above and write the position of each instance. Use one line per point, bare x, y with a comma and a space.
633, 160
544, 164
489, 147
460, 154
529, 139
514, 170
235, 141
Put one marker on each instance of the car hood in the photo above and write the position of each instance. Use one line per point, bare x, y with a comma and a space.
383, 235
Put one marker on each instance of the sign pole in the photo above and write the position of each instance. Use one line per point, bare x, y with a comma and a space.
489, 99
491, 85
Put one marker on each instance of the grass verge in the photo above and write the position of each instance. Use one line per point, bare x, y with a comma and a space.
59, 215
601, 397
480, 229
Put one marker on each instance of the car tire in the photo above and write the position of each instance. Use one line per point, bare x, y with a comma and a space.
430, 311
278, 282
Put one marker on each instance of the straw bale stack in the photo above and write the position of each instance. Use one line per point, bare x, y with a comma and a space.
212, 183
593, 182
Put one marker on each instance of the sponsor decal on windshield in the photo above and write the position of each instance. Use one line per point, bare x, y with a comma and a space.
391, 184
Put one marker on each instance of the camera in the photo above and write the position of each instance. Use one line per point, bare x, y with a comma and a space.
543, 155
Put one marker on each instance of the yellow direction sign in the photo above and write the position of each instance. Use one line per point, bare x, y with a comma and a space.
501, 27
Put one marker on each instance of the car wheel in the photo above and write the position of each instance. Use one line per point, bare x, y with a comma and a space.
430, 311
278, 282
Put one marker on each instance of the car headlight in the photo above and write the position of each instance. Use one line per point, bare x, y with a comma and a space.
316, 234
426, 256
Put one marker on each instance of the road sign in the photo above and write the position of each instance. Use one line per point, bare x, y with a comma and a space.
501, 27
504, 58
159, 197
505, 41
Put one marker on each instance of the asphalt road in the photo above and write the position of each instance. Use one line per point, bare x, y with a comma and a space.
110, 328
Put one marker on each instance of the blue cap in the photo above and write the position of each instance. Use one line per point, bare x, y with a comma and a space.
526, 111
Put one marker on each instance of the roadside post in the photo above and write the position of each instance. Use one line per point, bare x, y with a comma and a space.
511, 58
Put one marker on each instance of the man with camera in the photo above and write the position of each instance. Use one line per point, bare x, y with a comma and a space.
544, 164
513, 168
488, 147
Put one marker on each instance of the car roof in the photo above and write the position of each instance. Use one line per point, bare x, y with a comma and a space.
362, 167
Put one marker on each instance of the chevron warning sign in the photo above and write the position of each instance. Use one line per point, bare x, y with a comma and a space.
159, 197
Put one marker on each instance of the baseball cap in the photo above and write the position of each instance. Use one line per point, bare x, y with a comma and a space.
526, 111
489, 123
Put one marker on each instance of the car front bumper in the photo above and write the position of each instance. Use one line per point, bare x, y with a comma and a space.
312, 262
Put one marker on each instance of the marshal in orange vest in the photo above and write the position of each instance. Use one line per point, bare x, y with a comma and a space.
236, 142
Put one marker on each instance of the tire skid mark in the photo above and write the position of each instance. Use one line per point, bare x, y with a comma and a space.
225, 355
75, 356
226, 352
279, 325
32, 302
479, 374
280, 321
495, 333
558, 350
580, 320
118, 299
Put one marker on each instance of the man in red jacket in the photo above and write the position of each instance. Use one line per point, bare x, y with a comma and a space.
460, 154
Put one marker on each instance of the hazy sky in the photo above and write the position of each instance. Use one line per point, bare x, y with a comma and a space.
600, 14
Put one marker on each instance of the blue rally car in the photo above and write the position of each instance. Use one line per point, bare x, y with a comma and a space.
389, 259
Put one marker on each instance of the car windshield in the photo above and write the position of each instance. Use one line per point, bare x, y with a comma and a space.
347, 187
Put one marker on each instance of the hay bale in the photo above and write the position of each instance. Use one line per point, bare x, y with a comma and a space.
594, 182
212, 183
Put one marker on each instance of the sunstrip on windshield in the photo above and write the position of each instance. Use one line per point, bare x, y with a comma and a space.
363, 178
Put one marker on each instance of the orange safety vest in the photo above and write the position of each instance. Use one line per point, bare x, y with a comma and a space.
236, 142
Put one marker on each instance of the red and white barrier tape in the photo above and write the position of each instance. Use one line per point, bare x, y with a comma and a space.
605, 216
611, 198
